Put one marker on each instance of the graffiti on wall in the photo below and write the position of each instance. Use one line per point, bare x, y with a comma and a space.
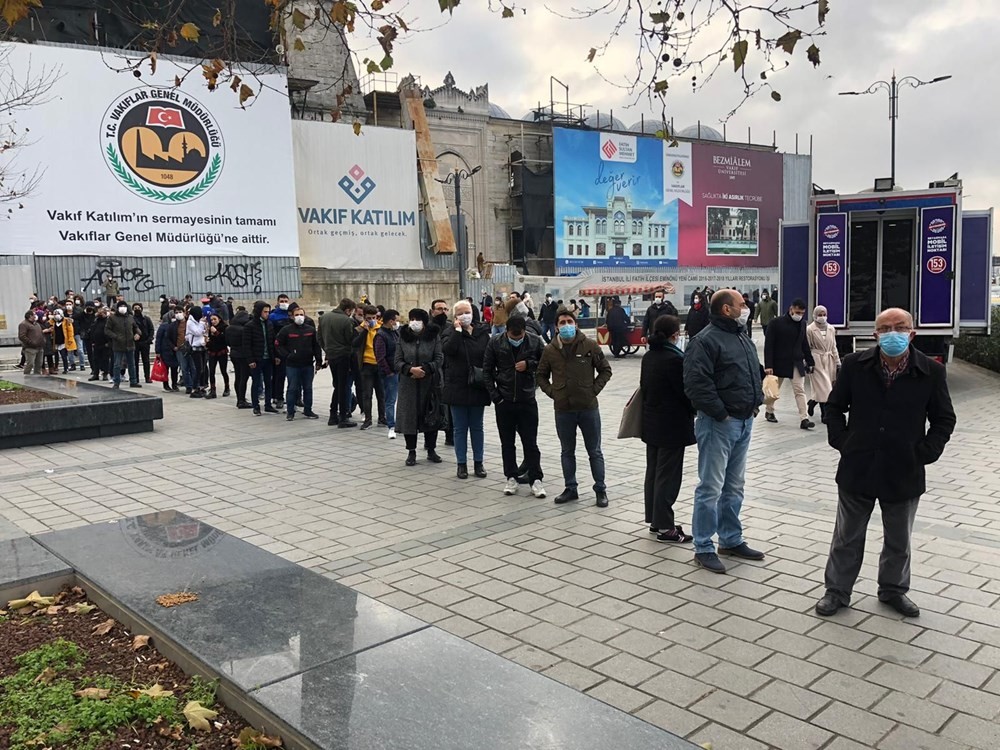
246, 275
134, 279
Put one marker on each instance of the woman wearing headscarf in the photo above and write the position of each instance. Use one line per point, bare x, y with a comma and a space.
464, 349
822, 338
418, 360
667, 427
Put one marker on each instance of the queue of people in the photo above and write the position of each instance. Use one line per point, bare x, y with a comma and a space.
440, 370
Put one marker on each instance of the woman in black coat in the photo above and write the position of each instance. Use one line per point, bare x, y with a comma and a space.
697, 317
464, 349
418, 362
667, 427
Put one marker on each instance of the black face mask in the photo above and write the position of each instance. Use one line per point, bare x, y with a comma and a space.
441, 318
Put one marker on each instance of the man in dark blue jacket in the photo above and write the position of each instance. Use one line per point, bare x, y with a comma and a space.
280, 317
891, 392
722, 378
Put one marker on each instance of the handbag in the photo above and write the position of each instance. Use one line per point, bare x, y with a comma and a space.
477, 376
159, 372
631, 424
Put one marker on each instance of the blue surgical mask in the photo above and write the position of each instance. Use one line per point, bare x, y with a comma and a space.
893, 343
567, 331
515, 342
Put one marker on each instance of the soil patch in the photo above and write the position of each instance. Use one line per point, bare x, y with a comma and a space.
12, 393
71, 677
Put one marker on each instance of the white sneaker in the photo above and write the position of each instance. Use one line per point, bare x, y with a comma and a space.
392, 434
536, 488
511, 487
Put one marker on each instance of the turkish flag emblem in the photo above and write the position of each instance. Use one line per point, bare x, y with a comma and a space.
165, 117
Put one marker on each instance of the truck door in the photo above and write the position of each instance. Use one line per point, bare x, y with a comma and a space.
793, 263
975, 271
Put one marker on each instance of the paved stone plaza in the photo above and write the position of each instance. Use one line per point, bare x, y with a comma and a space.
585, 595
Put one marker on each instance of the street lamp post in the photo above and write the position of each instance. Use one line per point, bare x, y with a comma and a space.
892, 87
456, 177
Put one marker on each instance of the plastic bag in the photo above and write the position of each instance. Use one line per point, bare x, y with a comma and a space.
159, 372
771, 391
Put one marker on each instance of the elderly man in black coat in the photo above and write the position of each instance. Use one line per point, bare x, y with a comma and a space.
891, 392
787, 355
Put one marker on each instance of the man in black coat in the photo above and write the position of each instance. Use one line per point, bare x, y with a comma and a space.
617, 322
787, 355
547, 317
661, 306
891, 392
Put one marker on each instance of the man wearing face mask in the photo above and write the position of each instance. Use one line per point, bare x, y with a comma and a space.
298, 347
336, 333
279, 318
367, 367
509, 368
122, 331
787, 355
767, 310
572, 372
386, 341
722, 379
661, 306
892, 392
146, 333
547, 317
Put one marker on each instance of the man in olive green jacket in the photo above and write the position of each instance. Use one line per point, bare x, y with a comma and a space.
767, 310
572, 372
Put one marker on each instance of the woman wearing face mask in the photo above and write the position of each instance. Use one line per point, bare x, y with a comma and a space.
822, 338
697, 317
146, 334
63, 339
418, 362
465, 391
165, 351
218, 354
664, 403
196, 337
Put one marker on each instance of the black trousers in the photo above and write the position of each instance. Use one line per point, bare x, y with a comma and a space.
222, 363
514, 419
371, 383
664, 472
242, 368
101, 360
278, 382
142, 353
847, 550
199, 359
340, 403
430, 441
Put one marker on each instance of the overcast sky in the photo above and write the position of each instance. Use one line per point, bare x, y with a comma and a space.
945, 128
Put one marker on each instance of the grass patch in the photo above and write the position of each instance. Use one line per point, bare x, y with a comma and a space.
6, 385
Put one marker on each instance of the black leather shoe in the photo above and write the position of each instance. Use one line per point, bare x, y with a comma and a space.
433, 457
770, 417
411, 458
271, 410
602, 499
902, 604
345, 423
829, 605
310, 415
479, 469
332, 420
463, 471
567, 496
811, 407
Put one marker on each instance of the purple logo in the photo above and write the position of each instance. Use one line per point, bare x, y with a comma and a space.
357, 184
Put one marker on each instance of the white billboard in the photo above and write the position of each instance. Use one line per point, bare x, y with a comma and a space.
357, 196
140, 166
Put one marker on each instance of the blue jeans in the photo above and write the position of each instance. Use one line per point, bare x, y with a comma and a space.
589, 422
79, 352
261, 376
466, 419
549, 331
184, 364
722, 463
121, 360
390, 385
299, 379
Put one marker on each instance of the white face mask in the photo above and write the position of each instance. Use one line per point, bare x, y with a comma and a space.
821, 320
283, 305
123, 310
300, 319
744, 315
658, 300
797, 318
416, 326
179, 316
465, 319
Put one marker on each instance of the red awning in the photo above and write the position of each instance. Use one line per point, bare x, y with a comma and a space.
610, 290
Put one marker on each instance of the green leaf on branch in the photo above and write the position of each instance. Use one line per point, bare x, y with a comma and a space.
386, 62
740, 54
822, 8
659, 17
659, 87
813, 54
372, 67
448, 5
299, 19
776, 96
507, 12
298, 45
788, 40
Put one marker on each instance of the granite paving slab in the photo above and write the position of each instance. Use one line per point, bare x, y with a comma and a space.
26, 565
258, 618
434, 691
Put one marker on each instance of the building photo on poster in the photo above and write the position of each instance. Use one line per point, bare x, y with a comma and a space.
143, 166
628, 201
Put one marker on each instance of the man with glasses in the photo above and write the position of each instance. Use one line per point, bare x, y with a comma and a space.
891, 391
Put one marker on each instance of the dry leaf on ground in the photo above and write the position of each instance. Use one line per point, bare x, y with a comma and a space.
78, 591
159, 666
105, 627
34, 599
156, 691
251, 737
198, 716
140, 641
93, 693
172, 600
47, 675
80, 609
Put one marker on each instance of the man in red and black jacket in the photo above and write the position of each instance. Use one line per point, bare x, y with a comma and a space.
299, 349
